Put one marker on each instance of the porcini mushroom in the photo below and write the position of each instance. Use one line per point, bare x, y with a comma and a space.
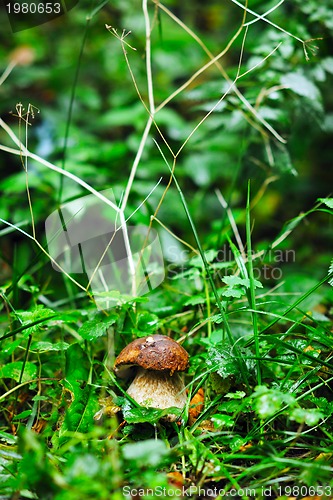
158, 360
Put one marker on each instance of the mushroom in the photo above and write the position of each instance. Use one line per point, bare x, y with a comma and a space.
157, 383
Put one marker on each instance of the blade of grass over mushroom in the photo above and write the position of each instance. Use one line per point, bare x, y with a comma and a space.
207, 269
252, 294
114, 380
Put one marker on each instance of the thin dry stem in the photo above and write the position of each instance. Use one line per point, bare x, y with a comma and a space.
263, 18
7, 71
22, 150
183, 242
249, 107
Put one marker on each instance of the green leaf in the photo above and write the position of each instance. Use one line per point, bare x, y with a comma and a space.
323, 405
38, 314
44, 346
298, 83
77, 367
327, 201
308, 416
269, 401
236, 293
233, 281
235, 395
237, 286
220, 420
199, 454
146, 453
22, 415
330, 271
147, 323
150, 415
222, 359
195, 300
83, 402
79, 416
197, 260
94, 328
77, 374
13, 370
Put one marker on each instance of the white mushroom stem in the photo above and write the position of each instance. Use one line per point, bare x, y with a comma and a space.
158, 390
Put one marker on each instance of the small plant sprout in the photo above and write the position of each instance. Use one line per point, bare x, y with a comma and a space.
158, 360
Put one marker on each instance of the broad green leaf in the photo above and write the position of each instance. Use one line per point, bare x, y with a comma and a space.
22, 415
217, 318
13, 370
10, 346
40, 313
97, 327
83, 401
237, 281
301, 85
235, 395
220, 420
77, 367
234, 406
79, 417
324, 405
222, 359
147, 323
44, 346
197, 260
195, 300
268, 401
308, 416
237, 286
327, 201
236, 293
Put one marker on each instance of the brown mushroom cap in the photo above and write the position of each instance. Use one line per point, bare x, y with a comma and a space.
155, 352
